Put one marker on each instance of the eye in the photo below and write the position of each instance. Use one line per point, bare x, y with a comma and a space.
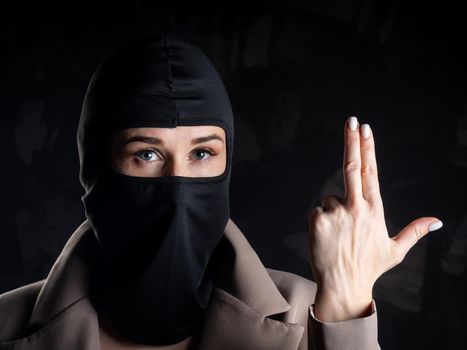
201, 154
147, 155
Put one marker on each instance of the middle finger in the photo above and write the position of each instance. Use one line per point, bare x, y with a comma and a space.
370, 184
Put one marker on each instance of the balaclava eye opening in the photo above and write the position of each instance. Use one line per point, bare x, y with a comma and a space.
157, 234
116, 156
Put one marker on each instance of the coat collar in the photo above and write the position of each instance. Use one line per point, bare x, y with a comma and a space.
69, 279
246, 288
248, 279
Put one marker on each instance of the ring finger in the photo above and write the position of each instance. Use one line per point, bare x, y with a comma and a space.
330, 202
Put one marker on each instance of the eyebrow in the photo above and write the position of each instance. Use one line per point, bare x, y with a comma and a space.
158, 141
139, 138
207, 138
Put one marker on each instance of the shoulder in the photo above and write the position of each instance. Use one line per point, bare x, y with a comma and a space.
295, 289
16, 306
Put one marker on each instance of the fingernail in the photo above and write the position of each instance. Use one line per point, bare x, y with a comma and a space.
366, 131
353, 123
435, 226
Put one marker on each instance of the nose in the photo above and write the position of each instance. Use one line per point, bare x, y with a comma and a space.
174, 167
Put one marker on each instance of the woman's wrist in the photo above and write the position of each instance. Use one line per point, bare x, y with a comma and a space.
333, 305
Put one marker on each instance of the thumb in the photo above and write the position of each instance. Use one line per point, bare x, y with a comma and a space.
413, 232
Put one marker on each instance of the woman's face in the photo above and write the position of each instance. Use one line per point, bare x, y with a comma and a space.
191, 151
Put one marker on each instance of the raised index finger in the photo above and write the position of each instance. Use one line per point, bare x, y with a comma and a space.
352, 161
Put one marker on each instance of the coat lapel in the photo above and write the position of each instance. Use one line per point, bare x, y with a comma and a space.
69, 279
238, 314
63, 316
76, 328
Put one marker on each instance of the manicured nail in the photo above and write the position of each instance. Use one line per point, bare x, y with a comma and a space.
435, 226
366, 131
353, 123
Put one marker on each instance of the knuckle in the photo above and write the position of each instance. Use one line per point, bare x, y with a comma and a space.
370, 170
353, 138
353, 204
417, 234
352, 166
331, 202
368, 145
314, 213
355, 211
318, 221
358, 211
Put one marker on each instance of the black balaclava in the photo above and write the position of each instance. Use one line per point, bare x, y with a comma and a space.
157, 235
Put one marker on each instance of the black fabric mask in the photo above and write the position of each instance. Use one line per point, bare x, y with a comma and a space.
157, 234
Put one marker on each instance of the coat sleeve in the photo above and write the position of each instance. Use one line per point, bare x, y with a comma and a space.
358, 333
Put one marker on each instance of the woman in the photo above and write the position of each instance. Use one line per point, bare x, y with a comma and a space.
158, 264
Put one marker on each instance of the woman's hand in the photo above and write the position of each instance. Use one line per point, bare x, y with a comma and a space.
349, 242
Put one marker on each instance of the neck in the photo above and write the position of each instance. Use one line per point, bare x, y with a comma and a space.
110, 339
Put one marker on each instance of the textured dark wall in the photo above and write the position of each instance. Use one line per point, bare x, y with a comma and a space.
295, 70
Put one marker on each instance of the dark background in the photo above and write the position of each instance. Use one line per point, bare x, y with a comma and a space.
295, 70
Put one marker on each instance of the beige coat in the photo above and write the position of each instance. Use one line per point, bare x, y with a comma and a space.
256, 308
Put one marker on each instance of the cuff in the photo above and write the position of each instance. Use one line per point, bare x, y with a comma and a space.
358, 333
